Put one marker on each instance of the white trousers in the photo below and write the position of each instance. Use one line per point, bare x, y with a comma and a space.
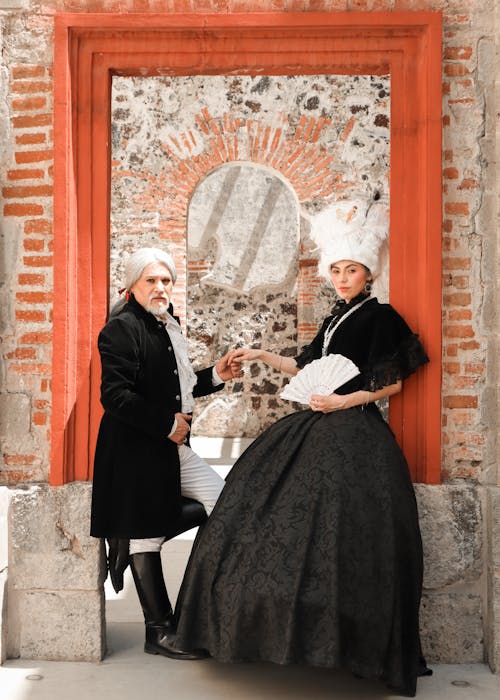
198, 481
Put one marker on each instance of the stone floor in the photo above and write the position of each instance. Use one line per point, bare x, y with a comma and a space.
128, 674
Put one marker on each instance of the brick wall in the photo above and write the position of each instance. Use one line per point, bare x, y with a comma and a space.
26, 169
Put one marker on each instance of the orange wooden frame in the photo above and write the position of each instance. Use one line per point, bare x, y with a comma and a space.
90, 48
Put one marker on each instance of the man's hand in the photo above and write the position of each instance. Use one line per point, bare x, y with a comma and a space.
228, 367
180, 433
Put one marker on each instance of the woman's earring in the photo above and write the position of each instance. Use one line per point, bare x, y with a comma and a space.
368, 287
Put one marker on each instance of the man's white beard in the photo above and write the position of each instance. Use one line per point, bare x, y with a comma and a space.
159, 310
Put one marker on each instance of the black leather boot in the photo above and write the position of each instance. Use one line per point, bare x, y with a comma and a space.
160, 627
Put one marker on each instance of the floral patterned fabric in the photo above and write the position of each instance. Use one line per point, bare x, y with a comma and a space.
313, 552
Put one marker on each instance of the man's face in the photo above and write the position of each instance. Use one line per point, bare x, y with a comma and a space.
153, 289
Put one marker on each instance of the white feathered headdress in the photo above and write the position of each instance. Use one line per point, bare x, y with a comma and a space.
351, 230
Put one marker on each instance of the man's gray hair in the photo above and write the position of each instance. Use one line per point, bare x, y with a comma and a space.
138, 261
135, 266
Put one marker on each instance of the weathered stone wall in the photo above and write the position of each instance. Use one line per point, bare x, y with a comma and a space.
461, 607
293, 145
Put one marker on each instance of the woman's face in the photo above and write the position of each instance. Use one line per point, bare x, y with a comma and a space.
349, 278
153, 289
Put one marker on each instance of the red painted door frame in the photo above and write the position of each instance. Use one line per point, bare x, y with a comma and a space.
90, 48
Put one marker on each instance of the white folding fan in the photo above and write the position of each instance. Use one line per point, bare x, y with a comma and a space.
321, 376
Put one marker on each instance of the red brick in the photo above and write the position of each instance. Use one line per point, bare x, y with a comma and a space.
459, 331
458, 281
29, 103
30, 279
30, 316
20, 72
30, 86
39, 418
451, 367
17, 476
19, 460
447, 226
454, 69
456, 263
460, 383
36, 338
41, 403
34, 297
38, 261
25, 174
475, 368
469, 183
454, 53
34, 156
460, 401
22, 354
22, 192
448, 154
460, 315
452, 350
44, 385
460, 208
469, 345
466, 438
446, 120
22, 209
34, 245
463, 418
32, 368
37, 226
25, 139
27, 122
450, 173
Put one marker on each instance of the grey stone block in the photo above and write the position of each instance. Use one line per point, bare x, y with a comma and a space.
4, 568
15, 424
451, 628
50, 544
494, 522
451, 524
62, 625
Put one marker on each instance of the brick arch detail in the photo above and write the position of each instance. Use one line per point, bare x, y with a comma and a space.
91, 48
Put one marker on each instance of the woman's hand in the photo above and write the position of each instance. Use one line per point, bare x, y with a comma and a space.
228, 367
337, 402
332, 402
246, 355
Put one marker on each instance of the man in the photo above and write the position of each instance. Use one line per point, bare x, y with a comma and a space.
143, 462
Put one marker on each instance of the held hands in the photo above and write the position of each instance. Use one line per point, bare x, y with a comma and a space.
246, 355
228, 367
242, 355
182, 430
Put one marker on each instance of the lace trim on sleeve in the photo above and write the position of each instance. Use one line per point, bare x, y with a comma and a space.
408, 357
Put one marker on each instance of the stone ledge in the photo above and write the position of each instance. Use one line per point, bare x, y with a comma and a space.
76, 629
451, 522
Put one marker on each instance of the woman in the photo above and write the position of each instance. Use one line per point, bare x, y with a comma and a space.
313, 553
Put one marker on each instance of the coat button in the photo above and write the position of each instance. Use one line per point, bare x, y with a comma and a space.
170, 348
175, 371
177, 398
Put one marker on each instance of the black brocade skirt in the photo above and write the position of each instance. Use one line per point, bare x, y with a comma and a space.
312, 554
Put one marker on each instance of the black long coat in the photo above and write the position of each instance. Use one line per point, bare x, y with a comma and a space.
136, 490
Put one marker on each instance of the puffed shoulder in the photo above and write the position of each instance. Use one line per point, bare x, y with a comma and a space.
395, 351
